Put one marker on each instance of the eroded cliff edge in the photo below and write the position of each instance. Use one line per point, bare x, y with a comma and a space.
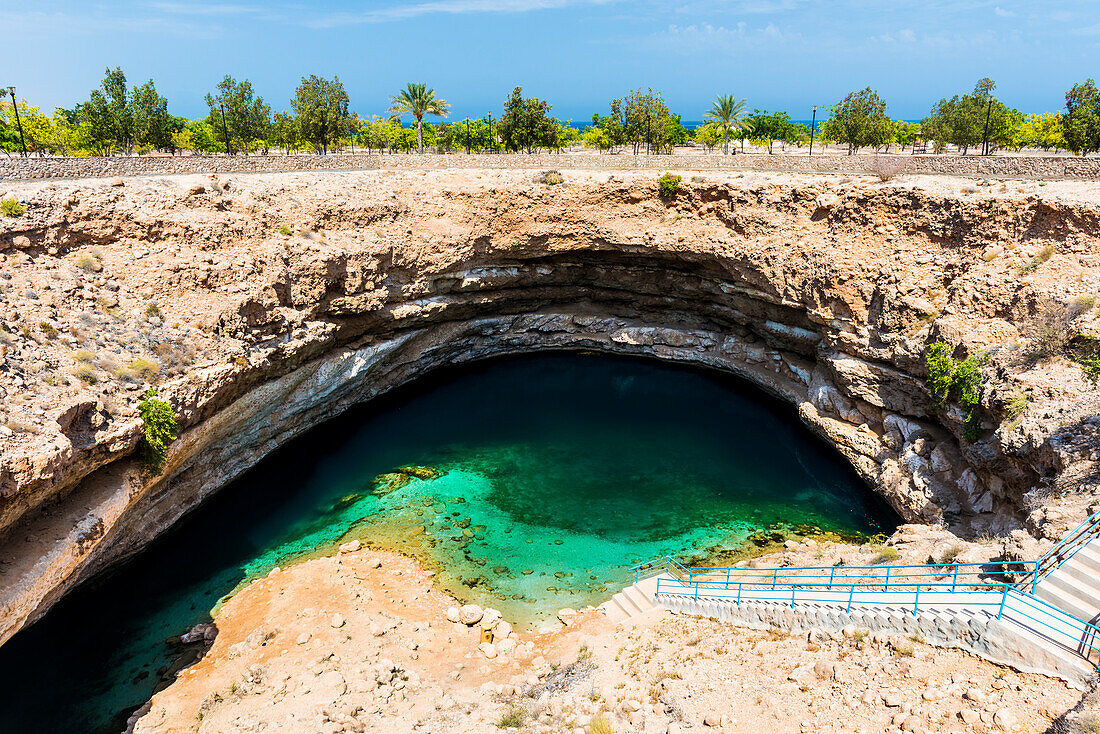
263, 305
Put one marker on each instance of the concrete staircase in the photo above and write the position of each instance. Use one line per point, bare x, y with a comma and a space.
1074, 587
1008, 641
633, 601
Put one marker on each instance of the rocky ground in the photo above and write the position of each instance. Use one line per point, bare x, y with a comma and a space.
361, 642
259, 306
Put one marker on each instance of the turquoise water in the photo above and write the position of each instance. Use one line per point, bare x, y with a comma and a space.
544, 479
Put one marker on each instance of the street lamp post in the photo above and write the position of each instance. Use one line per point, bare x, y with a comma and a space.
467, 136
813, 129
15, 106
492, 145
985, 134
225, 129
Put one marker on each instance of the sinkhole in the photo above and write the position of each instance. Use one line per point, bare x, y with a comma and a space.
526, 483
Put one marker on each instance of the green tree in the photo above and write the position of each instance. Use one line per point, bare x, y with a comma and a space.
727, 114
321, 106
969, 119
152, 125
904, 133
418, 100
860, 121
237, 114
643, 118
767, 127
285, 132
107, 118
596, 137
526, 124
1044, 131
1082, 118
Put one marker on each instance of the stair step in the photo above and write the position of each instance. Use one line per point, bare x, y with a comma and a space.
1089, 556
1066, 601
1066, 580
627, 603
1076, 571
640, 598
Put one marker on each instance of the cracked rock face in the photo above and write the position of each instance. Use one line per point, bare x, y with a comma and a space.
263, 305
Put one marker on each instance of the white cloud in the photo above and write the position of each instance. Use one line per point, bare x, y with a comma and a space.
1002, 13
438, 7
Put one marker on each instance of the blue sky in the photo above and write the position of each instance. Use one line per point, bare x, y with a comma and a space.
577, 54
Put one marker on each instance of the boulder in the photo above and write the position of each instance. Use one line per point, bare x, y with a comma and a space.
470, 614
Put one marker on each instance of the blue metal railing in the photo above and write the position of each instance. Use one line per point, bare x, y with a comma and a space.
918, 586
668, 564
1066, 548
952, 575
1002, 600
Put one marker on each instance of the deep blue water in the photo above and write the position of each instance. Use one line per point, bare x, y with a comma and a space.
553, 464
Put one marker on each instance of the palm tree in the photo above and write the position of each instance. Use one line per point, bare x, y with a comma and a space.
726, 113
417, 100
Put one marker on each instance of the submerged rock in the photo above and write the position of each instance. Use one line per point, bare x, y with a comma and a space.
347, 501
383, 484
420, 472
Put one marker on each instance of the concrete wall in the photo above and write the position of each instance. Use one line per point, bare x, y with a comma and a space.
15, 168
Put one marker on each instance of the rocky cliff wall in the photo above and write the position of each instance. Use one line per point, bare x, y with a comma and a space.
264, 305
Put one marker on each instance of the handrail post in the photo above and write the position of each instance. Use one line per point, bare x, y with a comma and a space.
739, 593
832, 572
916, 600
1004, 597
775, 575
851, 593
955, 577
727, 579
696, 591
887, 587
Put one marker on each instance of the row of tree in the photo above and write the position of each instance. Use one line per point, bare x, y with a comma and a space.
118, 119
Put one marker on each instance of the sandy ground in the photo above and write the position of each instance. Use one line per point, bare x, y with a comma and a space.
362, 642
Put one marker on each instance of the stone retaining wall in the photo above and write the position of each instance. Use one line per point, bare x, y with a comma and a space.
14, 169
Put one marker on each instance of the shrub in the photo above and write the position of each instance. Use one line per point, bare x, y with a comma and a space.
48, 329
1084, 304
941, 373
886, 167
1016, 405
601, 725
550, 178
1085, 351
1051, 331
951, 379
83, 355
152, 310
87, 374
889, 554
161, 428
512, 718
952, 553
147, 369
1033, 264
12, 208
89, 263
668, 185
285, 231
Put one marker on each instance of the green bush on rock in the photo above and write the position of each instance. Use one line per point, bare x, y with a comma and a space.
668, 185
161, 429
958, 380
